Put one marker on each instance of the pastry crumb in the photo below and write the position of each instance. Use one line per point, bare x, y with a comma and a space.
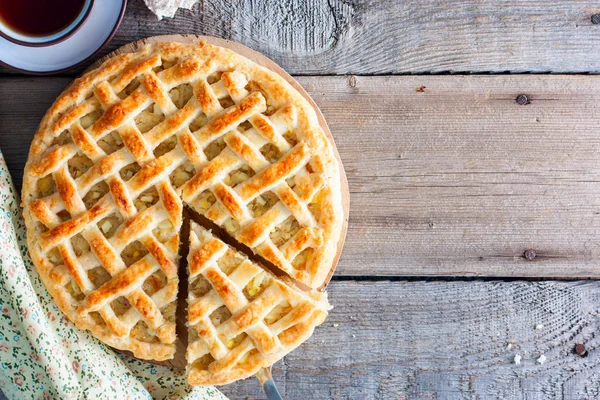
517, 359
541, 359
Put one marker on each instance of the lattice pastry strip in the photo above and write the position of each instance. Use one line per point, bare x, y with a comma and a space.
174, 122
241, 318
254, 232
145, 306
233, 203
98, 299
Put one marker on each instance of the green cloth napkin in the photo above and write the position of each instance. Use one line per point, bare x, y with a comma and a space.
43, 355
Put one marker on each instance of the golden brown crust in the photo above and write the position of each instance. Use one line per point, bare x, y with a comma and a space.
264, 320
241, 132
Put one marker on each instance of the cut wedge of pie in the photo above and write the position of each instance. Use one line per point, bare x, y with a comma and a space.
127, 146
241, 318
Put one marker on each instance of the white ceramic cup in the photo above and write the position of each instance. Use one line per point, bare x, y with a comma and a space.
39, 41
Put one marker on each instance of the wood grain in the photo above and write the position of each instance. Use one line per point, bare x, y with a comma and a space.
446, 340
392, 37
455, 180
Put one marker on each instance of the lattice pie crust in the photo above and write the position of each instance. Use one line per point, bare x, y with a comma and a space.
240, 317
127, 145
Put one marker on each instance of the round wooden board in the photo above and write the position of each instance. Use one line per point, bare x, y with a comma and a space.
179, 360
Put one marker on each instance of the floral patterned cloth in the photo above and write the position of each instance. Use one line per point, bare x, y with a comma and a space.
43, 355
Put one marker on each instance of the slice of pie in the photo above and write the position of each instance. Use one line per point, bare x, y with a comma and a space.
241, 318
128, 145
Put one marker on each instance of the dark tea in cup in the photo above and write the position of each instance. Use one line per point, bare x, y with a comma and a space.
41, 22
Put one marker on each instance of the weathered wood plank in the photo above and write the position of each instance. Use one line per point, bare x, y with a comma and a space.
455, 180
389, 37
449, 175
446, 340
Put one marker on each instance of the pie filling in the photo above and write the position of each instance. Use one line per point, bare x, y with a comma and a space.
108, 189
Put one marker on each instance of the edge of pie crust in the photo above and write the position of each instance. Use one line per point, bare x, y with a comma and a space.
48, 156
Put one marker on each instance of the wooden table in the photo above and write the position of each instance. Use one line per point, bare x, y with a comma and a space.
474, 219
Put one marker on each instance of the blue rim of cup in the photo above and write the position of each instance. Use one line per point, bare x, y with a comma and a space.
72, 32
63, 35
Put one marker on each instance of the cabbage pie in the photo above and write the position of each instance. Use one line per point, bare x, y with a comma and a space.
121, 153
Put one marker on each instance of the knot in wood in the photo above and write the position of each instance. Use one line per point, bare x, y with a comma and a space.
522, 100
352, 81
530, 254
580, 350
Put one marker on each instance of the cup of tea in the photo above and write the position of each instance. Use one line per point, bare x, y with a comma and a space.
40, 23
